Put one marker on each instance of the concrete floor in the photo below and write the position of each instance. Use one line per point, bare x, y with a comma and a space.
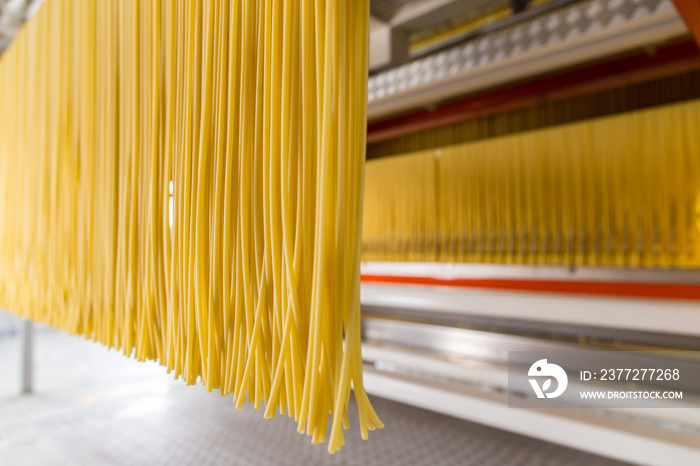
92, 406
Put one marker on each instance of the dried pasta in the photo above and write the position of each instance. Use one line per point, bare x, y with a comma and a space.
249, 119
615, 191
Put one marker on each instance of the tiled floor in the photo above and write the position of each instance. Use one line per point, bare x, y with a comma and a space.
92, 406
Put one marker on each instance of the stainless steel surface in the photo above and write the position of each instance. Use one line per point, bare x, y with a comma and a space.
614, 437
464, 345
459, 342
464, 372
427, 14
446, 270
564, 37
498, 25
394, 22
665, 316
27, 356
622, 339
386, 9
93, 406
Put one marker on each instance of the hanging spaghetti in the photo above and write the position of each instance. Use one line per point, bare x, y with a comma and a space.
255, 111
616, 191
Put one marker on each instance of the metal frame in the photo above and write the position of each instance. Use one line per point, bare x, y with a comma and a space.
645, 315
493, 376
603, 435
665, 61
451, 271
546, 43
27, 356
669, 316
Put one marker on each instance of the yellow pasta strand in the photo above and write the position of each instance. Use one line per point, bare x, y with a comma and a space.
248, 120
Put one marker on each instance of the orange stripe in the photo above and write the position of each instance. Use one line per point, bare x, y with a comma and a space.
690, 11
618, 289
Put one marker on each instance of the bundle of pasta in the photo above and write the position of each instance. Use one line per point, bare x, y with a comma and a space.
248, 117
616, 191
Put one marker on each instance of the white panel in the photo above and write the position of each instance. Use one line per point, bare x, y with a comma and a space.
575, 429
652, 315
